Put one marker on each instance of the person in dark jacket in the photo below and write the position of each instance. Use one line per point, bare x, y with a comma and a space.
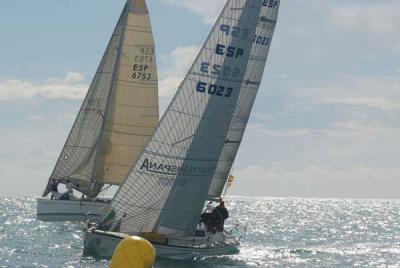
219, 215
54, 189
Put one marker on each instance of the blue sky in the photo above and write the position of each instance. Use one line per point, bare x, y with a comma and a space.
325, 123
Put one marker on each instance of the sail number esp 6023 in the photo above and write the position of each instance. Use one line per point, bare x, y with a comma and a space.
212, 89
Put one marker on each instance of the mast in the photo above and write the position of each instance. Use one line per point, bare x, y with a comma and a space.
110, 94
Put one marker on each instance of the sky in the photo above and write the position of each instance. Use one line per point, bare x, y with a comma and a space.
326, 122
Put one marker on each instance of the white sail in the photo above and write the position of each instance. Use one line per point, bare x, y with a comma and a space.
134, 110
119, 111
258, 57
166, 189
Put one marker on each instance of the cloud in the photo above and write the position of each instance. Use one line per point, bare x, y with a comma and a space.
379, 92
207, 9
317, 181
71, 87
169, 85
379, 103
374, 17
179, 61
26, 167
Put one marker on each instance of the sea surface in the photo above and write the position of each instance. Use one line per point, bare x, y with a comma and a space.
281, 233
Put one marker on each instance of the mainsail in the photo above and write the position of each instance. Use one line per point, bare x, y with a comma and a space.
254, 72
120, 110
166, 189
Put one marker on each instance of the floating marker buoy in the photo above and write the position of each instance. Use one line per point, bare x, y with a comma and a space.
133, 252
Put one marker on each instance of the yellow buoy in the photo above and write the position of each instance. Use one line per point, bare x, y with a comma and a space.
133, 252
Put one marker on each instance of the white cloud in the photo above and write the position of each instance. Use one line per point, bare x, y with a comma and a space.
26, 167
207, 9
169, 85
70, 87
382, 92
179, 61
377, 17
317, 181
380, 103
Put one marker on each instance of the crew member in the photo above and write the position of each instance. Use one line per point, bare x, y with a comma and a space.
54, 189
70, 190
219, 215
209, 207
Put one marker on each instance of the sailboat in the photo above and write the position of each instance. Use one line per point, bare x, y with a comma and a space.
187, 160
117, 117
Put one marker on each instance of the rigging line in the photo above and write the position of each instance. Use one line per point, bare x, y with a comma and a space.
106, 188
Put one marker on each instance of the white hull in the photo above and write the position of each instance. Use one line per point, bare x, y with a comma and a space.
102, 245
69, 210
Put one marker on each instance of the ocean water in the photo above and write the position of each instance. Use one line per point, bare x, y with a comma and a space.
281, 233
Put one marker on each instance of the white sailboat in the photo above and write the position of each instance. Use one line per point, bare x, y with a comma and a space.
190, 154
116, 119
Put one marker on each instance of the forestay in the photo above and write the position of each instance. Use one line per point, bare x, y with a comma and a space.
166, 189
255, 69
120, 110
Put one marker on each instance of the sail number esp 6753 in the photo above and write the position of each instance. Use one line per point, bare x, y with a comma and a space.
212, 89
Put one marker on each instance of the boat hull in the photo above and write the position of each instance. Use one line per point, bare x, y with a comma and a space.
103, 244
69, 210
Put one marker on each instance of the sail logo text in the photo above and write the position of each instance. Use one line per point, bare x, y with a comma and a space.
165, 169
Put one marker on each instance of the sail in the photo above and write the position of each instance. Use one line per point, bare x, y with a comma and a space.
255, 69
120, 110
166, 189
76, 161
134, 108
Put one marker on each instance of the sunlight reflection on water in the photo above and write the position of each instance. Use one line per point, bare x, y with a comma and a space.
281, 233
